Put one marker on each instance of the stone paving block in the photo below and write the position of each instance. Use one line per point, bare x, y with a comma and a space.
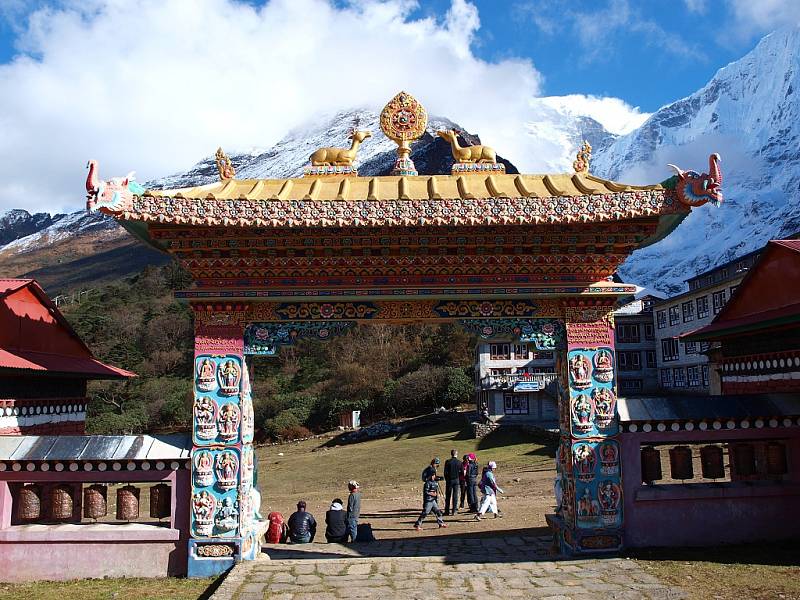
308, 579
319, 596
282, 578
304, 569
253, 588
251, 596
359, 569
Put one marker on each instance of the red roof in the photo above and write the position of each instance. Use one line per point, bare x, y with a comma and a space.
791, 244
35, 336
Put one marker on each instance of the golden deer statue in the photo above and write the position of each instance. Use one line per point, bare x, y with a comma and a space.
469, 154
341, 157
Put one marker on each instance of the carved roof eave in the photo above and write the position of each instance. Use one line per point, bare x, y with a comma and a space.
241, 212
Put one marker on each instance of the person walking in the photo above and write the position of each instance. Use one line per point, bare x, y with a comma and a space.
462, 480
490, 490
430, 496
353, 509
452, 471
431, 468
472, 483
302, 525
336, 523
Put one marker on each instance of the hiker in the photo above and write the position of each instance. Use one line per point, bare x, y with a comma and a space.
302, 525
430, 495
462, 480
336, 523
452, 471
472, 482
431, 468
353, 509
490, 490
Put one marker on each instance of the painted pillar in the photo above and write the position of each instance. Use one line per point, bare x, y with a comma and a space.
222, 528
590, 518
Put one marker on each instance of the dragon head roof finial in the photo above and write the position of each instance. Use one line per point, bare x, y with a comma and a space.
695, 189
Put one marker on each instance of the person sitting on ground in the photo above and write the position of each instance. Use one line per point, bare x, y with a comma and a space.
490, 490
431, 468
336, 523
430, 495
302, 525
353, 509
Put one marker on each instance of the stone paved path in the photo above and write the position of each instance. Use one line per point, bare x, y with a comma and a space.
438, 568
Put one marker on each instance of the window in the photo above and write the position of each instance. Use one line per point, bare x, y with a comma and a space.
631, 385
666, 377
541, 356
702, 307
731, 290
629, 361
628, 334
688, 311
704, 371
649, 331
647, 306
719, 300
679, 376
674, 315
661, 316
650, 356
515, 404
693, 375
724, 273
521, 351
500, 352
690, 348
499, 372
704, 346
669, 349
694, 284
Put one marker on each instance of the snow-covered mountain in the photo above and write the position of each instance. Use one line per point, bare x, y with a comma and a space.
750, 113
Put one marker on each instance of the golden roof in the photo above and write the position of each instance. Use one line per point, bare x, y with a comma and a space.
423, 187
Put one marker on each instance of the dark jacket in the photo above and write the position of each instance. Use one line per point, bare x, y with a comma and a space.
472, 471
336, 527
354, 505
301, 523
426, 473
452, 469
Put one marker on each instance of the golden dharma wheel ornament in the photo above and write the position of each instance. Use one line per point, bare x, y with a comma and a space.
404, 120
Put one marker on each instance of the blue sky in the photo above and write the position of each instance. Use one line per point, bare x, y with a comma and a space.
154, 85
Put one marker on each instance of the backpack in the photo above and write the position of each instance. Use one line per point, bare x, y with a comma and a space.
364, 533
472, 470
276, 530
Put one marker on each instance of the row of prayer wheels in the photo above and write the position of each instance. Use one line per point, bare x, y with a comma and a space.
95, 502
712, 461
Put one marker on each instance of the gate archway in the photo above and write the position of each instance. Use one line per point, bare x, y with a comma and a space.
274, 260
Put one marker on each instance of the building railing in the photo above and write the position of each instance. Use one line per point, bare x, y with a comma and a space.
533, 381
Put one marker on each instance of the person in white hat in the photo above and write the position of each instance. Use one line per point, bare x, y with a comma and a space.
353, 509
490, 490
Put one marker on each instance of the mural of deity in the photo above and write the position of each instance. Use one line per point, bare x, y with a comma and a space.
229, 417
227, 517
584, 460
610, 496
568, 499
229, 376
579, 372
247, 464
227, 469
203, 469
245, 508
582, 413
248, 417
609, 459
605, 403
203, 506
588, 507
603, 365
205, 417
206, 375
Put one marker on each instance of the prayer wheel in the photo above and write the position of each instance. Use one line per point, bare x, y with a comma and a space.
776, 459
680, 462
95, 503
29, 502
651, 464
744, 458
160, 501
711, 460
62, 503
127, 503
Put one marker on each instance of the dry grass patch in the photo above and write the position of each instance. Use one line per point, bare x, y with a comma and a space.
105, 589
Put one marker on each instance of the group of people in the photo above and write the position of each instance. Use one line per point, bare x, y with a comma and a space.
461, 482
341, 522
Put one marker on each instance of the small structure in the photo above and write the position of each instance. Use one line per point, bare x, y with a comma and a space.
758, 330
44, 365
56, 499
636, 347
701, 471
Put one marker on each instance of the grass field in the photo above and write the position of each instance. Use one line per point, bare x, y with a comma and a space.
106, 589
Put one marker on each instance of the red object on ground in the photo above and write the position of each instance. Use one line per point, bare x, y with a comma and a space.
275, 529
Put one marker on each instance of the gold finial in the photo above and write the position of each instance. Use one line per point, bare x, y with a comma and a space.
404, 120
340, 157
582, 158
224, 166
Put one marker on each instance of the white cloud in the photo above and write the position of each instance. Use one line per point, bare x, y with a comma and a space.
754, 18
612, 113
696, 6
154, 85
